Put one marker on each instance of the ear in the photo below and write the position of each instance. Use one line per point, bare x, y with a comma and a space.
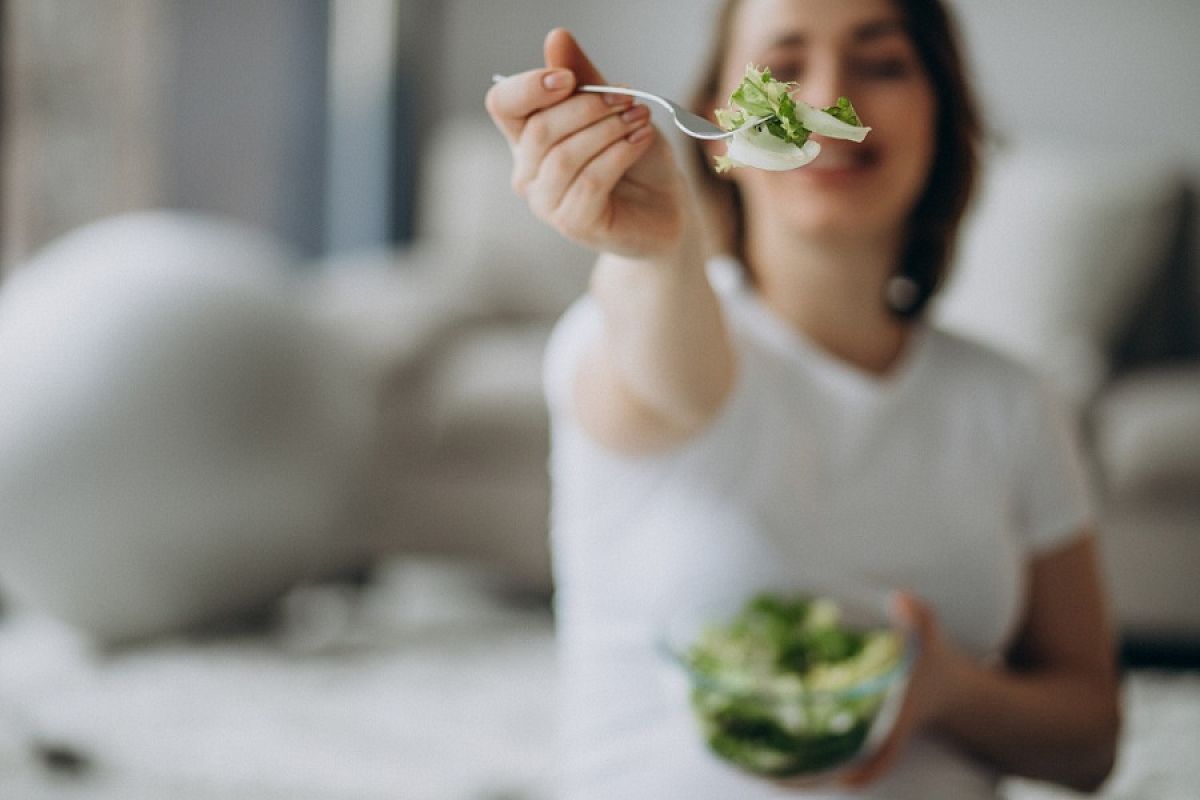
561, 50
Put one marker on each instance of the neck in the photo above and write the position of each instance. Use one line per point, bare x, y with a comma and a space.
832, 291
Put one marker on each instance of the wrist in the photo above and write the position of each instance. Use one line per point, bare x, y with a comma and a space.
669, 265
958, 675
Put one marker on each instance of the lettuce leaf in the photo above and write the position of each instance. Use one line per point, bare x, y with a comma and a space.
767, 104
845, 112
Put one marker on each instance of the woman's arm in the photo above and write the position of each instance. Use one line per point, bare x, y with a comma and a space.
596, 171
664, 365
1053, 712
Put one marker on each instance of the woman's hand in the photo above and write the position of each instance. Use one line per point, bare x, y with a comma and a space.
592, 167
925, 697
1052, 713
928, 693
596, 170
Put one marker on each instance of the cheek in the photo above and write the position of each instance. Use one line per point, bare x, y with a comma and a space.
916, 151
910, 138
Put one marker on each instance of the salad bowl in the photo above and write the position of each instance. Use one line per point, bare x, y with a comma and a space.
792, 685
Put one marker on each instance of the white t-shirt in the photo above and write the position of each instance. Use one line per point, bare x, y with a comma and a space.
943, 478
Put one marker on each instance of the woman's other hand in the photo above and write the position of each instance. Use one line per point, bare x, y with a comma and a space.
926, 695
591, 166
924, 700
1052, 713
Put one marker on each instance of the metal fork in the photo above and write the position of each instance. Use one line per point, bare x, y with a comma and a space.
693, 125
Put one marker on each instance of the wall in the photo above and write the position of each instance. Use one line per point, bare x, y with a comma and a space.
81, 122
246, 113
123, 104
653, 45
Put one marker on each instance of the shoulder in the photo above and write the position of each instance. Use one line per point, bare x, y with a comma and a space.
1022, 403
961, 359
1009, 398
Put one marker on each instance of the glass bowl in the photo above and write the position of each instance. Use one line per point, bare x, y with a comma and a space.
792, 685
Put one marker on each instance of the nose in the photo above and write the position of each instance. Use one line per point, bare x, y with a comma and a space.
823, 81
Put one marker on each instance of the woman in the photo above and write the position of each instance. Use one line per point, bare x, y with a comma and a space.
788, 413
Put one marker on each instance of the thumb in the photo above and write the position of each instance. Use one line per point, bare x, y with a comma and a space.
561, 50
912, 613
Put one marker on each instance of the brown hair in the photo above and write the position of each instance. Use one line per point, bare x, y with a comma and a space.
934, 222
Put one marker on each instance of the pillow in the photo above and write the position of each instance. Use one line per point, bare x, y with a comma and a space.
1056, 254
179, 438
1148, 433
515, 264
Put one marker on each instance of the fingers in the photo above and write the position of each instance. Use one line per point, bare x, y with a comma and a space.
570, 150
914, 614
561, 50
885, 756
573, 183
882, 760
919, 618
511, 101
548, 130
588, 198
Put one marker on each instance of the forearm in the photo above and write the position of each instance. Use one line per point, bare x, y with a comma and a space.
1049, 726
665, 348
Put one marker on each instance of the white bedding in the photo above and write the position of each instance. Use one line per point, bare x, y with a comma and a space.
423, 686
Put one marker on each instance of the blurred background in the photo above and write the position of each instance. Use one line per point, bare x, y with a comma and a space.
337, 598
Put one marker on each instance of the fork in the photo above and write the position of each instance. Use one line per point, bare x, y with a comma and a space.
692, 124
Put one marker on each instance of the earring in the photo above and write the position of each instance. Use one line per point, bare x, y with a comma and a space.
901, 294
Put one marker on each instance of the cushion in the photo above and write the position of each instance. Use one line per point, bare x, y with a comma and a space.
1055, 255
394, 306
1147, 431
179, 438
486, 393
515, 264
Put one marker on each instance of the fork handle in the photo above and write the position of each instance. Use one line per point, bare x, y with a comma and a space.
598, 89
589, 87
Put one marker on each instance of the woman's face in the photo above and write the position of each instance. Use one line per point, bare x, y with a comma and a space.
830, 48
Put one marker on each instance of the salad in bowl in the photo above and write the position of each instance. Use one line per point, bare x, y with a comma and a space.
793, 685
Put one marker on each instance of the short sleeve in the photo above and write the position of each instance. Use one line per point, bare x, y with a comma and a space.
573, 334
1053, 493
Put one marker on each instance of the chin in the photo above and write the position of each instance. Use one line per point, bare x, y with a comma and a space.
837, 218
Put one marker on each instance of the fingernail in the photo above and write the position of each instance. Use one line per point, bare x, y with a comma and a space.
634, 114
559, 79
616, 99
640, 134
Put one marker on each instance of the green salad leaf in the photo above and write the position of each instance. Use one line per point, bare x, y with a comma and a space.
768, 106
844, 111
